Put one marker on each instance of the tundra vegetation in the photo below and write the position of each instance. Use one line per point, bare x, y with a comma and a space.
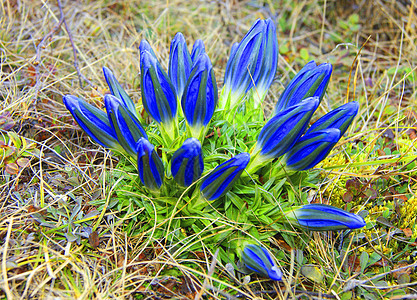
206, 150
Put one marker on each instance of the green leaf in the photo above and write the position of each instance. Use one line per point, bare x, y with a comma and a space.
313, 273
364, 258
304, 54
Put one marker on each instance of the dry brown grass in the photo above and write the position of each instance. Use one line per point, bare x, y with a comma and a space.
38, 261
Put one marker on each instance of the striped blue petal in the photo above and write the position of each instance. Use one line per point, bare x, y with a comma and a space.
93, 121
158, 93
145, 46
187, 162
126, 125
179, 66
222, 178
150, 166
198, 48
321, 217
200, 95
257, 259
282, 131
339, 118
252, 61
311, 149
311, 81
117, 91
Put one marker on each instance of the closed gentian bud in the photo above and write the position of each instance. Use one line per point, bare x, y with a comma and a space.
158, 93
252, 61
311, 81
117, 91
179, 67
145, 46
257, 259
321, 217
187, 162
126, 125
198, 48
93, 121
311, 149
200, 95
339, 118
268, 66
222, 178
150, 166
282, 131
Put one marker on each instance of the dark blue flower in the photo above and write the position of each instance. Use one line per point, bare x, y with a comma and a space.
200, 95
145, 46
311, 81
311, 149
222, 178
117, 91
179, 67
252, 61
93, 121
198, 48
320, 217
187, 162
257, 259
125, 124
282, 131
150, 166
158, 93
339, 118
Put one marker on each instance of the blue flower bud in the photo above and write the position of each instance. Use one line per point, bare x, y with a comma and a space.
200, 95
198, 48
252, 61
117, 91
127, 127
339, 118
320, 217
282, 131
311, 149
150, 166
257, 259
144, 46
222, 178
93, 121
311, 81
158, 93
265, 74
179, 67
187, 162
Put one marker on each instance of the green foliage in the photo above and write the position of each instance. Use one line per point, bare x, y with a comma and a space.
252, 210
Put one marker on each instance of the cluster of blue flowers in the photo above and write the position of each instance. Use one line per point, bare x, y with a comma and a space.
191, 84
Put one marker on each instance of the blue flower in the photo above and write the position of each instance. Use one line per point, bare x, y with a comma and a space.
200, 95
222, 178
257, 259
320, 217
125, 124
282, 131
198, 48
150, 166
117, 91
339, 118
187, 162
311, 81
311, 149
145, 46
253, 61
179, 67
158, 93
93, 121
